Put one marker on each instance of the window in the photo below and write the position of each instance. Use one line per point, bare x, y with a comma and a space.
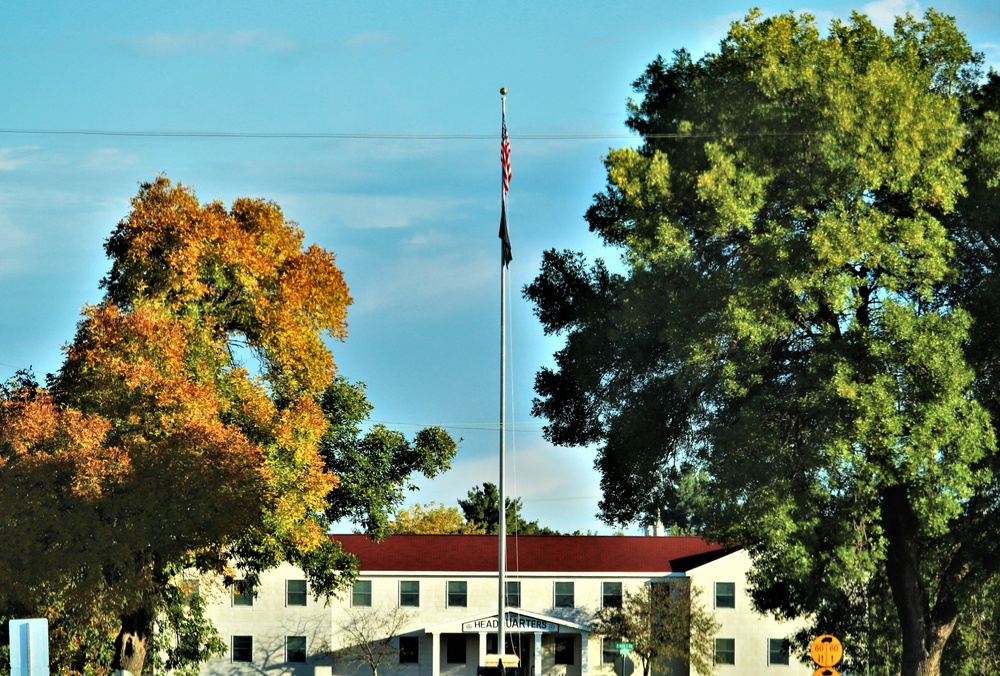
513, 594
777, 651
295, 648
458, 595
409, 593
725, 651
564, 595
725, 594
611, 595
361, 595
609, 653
242, 649
242, 593
409, 649
295, 592
455, 647
564, 649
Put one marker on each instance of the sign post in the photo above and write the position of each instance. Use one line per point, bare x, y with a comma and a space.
826, 651
624, 649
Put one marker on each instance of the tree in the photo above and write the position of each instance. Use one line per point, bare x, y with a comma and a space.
374, 468
155, 450
796, 317
432, 518
371, 635
666, 623
482, 508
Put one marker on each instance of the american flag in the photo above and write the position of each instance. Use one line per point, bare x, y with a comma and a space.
505, 156
505, 254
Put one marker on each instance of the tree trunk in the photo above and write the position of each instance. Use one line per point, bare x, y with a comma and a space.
925, 630
131, 642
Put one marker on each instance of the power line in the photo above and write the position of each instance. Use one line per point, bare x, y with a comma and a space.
382, 136
303, 135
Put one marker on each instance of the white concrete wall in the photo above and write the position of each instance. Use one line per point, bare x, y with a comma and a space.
749, 629
269, 621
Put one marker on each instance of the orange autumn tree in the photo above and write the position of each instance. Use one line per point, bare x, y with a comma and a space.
182, 431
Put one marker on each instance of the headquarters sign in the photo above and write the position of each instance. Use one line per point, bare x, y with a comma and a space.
514, 623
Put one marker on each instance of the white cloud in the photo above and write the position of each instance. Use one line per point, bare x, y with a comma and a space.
107, 159
13, 261
991, 50
557, 486
12, 158
163, 45
372, 38
416, 284
368, 212
883, 13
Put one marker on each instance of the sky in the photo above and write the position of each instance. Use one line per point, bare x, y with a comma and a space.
375, 126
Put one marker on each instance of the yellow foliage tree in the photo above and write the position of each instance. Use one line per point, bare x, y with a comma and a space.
433, 518
154, 449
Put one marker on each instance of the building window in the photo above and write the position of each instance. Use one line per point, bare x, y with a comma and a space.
458, 595
409, 593
455, 647
242, 649
611, 594
295, 648
513, 594
725, 651
564, 595
409, 649
242, 593
725, 594
777, 651
361, 595
565, 654
295, 592
609, 653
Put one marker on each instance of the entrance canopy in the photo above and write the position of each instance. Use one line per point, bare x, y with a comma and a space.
517, 621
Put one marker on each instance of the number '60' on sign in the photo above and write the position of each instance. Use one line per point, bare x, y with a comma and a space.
826, 650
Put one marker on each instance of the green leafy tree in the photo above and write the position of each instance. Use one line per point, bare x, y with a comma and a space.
482, 508
805, 314
375, 468
666, 623
680, 500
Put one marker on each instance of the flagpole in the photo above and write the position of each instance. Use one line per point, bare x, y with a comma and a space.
504, 257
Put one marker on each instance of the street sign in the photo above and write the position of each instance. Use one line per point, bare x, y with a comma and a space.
826, 671
826, 651
624, 648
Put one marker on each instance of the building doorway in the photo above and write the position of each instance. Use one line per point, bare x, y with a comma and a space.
522, 645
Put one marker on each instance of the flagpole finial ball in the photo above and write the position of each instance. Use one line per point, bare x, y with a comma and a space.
503, 91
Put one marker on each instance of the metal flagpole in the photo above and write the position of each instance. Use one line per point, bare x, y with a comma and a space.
504, 257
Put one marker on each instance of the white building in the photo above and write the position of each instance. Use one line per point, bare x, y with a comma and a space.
447, 585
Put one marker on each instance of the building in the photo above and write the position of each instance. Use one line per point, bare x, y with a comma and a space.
445, 587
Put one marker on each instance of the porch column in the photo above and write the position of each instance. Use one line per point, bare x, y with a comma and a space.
435, 654
482, 648
538, 654
583, 653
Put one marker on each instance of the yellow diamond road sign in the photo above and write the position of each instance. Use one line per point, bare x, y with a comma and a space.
826, 651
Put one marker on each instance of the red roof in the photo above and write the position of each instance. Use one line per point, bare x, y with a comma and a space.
532, 553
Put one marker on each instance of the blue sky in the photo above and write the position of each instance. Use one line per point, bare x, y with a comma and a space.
413, 221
